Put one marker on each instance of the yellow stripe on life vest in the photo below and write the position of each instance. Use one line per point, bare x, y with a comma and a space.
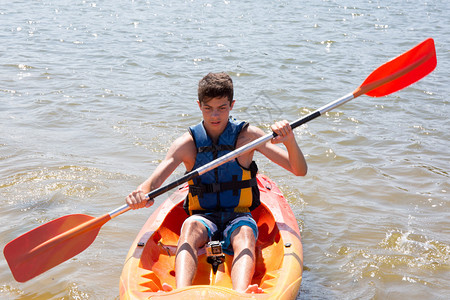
245, 201
194, 203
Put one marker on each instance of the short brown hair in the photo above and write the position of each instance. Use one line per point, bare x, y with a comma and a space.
215, 85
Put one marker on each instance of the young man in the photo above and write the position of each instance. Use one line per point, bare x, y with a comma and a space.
219, 202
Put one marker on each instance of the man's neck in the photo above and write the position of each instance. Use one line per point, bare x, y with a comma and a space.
214, 136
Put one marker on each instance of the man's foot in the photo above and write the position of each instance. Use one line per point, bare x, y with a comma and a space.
254, 289
167, 287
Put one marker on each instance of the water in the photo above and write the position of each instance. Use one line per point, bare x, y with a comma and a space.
93, 92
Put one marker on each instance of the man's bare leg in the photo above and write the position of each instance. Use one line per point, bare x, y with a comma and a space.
193, 236
243, 242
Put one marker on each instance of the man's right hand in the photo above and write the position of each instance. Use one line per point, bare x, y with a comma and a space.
137, 199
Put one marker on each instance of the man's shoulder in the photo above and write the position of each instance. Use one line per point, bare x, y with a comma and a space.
183, 149
185, 139
249, 134
251, 131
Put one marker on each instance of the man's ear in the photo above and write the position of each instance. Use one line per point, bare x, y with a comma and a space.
199, 104
232, 104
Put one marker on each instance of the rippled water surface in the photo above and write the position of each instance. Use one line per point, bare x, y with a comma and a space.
93, 92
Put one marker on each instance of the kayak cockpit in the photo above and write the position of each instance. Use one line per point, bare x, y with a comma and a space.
279, 255
157, 262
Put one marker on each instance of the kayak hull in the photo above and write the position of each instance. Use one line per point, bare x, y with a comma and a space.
279, 254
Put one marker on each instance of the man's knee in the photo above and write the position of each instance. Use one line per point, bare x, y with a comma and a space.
243, 237
192, 227
194, 231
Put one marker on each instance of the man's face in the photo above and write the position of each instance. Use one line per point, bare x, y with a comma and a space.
215, 114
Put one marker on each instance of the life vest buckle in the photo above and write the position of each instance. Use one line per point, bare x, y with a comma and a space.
215, 187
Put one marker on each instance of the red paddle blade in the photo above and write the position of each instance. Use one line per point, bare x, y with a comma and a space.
51, 244
400, 72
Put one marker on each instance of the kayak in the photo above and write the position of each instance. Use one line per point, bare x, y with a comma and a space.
279, 254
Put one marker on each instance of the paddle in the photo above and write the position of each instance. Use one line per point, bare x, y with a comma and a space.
59, 240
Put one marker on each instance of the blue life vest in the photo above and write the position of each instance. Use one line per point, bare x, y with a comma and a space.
229, 187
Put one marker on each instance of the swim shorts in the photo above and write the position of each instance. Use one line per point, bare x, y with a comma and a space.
221, 225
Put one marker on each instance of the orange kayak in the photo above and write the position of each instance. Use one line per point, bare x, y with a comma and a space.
279, 254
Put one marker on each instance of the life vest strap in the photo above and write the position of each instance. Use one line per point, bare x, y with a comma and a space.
214, 148
234, 185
